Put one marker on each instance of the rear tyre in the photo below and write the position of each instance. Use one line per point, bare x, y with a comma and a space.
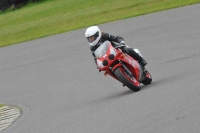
128, 81
147, 78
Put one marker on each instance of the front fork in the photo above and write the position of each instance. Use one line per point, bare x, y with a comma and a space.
120, 64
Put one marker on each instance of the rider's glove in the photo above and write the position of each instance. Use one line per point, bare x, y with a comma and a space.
122, 43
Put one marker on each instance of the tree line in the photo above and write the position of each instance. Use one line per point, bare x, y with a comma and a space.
5, 4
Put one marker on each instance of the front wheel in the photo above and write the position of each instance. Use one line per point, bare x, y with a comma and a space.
128, 81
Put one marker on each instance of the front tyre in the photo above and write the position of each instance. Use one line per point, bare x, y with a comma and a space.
128, 81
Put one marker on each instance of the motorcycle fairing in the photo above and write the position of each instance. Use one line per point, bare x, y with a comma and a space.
104, 63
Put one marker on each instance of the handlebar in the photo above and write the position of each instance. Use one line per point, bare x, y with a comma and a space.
120, 46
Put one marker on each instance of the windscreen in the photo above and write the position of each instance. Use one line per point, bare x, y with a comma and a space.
101, 50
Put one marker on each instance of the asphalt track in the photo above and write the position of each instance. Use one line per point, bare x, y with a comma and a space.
54, 80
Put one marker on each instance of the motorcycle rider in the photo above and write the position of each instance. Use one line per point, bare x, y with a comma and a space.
95, 38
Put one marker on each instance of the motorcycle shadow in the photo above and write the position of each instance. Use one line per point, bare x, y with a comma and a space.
120, 94
144, 87
111, 97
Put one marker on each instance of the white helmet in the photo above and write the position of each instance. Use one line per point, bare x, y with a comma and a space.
93, 35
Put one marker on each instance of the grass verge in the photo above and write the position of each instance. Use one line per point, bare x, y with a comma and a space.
56, 16
1, 105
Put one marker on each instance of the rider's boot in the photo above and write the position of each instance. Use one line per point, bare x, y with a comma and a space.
142, 62
135, 55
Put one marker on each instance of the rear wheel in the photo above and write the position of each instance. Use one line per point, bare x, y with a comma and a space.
128, 81
147, 78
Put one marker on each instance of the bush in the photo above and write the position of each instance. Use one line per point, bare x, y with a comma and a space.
18, 1
5, 4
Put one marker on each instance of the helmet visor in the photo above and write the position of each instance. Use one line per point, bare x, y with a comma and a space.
93, 38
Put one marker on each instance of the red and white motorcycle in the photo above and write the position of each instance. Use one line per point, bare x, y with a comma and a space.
121, 66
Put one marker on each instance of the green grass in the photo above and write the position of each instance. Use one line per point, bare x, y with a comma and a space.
57, 16
1, 105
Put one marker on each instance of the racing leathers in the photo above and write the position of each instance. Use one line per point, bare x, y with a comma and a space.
117, 39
